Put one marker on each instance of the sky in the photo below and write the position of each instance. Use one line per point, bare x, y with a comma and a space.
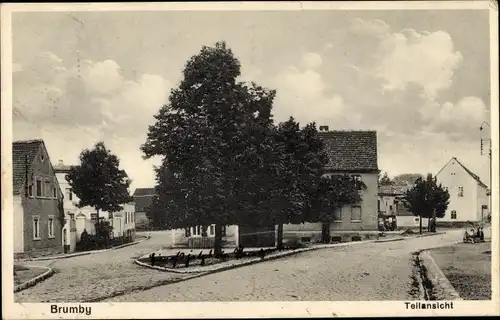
420, 78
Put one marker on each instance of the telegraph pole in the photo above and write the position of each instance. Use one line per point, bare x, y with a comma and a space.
488, 140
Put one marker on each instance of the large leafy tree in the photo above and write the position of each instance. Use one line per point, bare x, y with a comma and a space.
427, 199
306, 194
208, 135
98, 181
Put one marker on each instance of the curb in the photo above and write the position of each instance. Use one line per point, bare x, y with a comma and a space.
444, 289
77, 254
390, 240
430, 235
35, 280
248, 262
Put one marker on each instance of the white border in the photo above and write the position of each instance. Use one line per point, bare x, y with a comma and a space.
234, 309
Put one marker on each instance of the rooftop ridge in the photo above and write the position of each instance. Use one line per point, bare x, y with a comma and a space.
28, 141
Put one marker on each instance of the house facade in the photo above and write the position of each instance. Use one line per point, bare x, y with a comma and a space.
391, 206
353, 153
37, 200
123, 222
468, 194
143, 198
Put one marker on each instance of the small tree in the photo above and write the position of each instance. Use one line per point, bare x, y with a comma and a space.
427, 199
98, 181
385, 180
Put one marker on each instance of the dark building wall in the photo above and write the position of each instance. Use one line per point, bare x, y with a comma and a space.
43, 207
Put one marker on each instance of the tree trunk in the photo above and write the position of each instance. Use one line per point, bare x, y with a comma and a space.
279, 239
429, 224
218, 240
325, 232
433, 228
420, 222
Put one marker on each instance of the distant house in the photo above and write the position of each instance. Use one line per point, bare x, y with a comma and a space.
143, 198
37, 199
390, 198
391, 204
353, 153
468, 194
123, 222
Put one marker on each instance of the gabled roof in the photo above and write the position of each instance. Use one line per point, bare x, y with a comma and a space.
142, 202
351, 150
392, 189
472, 174
144, 192
23, 155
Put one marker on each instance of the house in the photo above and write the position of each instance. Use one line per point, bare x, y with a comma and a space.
37, 200
468, 194
349, 152
123, 222
143, 198
353, 153
391, 205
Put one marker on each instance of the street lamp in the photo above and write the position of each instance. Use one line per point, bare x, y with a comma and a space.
483, 125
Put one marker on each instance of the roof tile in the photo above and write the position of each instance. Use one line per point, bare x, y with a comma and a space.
351, 150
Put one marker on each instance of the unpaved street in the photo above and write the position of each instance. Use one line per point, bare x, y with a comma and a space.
97, 276
375, 271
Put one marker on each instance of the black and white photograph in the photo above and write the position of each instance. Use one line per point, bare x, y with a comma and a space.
294, 159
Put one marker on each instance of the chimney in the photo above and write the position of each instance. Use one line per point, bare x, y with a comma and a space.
323, 128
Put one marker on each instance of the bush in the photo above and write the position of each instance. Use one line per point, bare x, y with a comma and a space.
295, 243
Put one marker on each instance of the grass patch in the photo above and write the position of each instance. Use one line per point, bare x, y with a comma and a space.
468, 268
23, 273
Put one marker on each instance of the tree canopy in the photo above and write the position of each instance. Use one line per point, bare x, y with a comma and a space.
224, 161
98, 181
385, 180
427, 198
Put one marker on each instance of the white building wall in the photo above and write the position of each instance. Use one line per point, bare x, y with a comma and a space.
18, 225
410, 222
70, 201
482, 200
453, 176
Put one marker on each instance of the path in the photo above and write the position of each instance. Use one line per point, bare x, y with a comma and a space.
374, 271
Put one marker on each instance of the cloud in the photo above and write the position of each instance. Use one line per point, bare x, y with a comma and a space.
426, 59
303, 95
392, 82
312, 60
72, 107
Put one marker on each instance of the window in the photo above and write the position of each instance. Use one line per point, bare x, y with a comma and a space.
38, 187
47, 190
460, 191
212, 230
187, 232
390, 207
42, 157
417, 219
223, 231
51, 227
378, 205
358, 182
453, 214
337, 215
36, 228
198, 230
54, 192
356, 213
30, 190
69, 194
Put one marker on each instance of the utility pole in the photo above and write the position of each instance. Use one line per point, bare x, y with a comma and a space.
488, 140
